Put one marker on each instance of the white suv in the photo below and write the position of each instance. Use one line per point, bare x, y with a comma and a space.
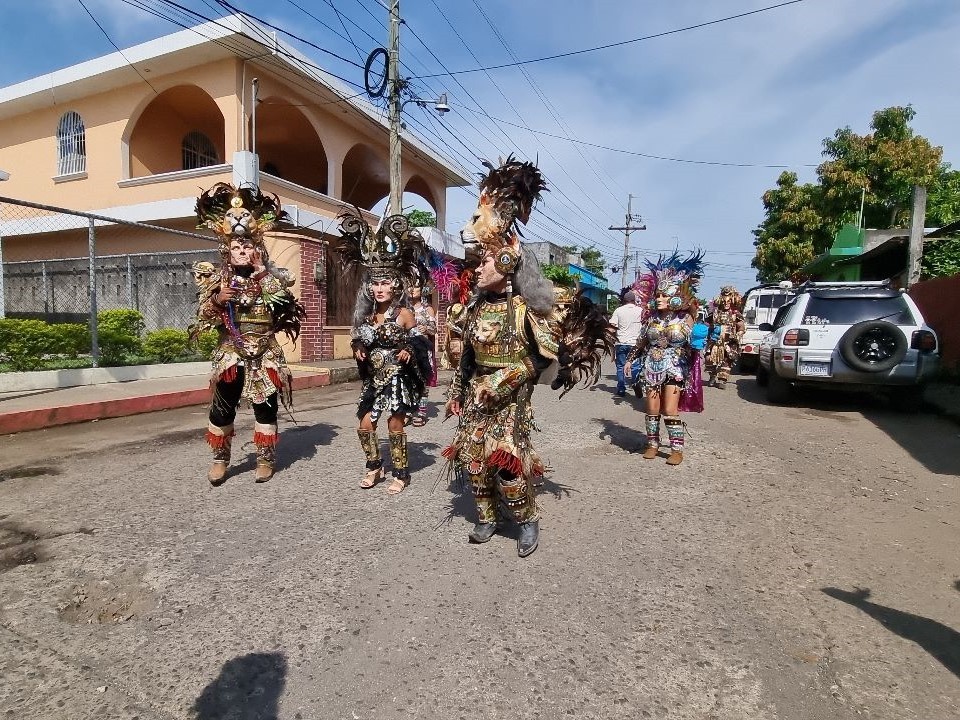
851, 334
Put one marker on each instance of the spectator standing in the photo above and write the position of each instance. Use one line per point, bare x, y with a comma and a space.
628, 321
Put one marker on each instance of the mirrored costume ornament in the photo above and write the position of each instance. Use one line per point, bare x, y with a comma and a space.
509, 338
663, 347
248, 303
392, 252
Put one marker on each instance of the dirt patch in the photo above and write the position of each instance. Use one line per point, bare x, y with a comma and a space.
28, 471
19, 545
116, 599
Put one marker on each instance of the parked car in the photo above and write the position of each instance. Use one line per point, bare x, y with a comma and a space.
760, 305
851, 335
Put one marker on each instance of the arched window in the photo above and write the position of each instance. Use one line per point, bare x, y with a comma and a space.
71, 145
198, 151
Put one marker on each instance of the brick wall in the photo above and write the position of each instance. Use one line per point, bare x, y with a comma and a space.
314, 299
939, 300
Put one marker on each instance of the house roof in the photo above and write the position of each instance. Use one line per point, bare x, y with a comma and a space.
232, 36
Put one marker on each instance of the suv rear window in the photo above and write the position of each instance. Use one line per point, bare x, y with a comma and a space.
772, 301
851, 310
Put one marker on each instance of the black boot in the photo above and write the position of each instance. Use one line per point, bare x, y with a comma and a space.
482, 532
529, 538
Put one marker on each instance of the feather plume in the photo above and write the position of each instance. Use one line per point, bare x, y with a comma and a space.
585, 337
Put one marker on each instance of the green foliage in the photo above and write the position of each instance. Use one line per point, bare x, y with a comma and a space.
559, 275
207, 342
167, 345
70, 339
880, 167
422, 218
119, 333
25, 342
941, 258
593, 260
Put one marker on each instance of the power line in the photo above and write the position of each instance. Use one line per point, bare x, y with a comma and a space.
623, 42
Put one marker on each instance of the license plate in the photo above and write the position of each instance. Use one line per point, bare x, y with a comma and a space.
815, 369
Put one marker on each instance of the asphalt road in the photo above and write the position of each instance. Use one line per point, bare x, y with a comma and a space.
801, 563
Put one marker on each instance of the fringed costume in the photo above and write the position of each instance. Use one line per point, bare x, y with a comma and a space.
393, 356
510, 335
667, 291
726, 330
247, 301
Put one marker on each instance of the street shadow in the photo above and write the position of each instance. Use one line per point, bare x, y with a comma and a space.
621, 436
296, 443
421, 455
929, 438
941, 641
460, 504
956, 585
248, 688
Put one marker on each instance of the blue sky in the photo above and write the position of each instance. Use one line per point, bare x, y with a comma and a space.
761, 90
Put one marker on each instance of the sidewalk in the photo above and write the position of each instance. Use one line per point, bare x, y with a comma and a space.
37, 409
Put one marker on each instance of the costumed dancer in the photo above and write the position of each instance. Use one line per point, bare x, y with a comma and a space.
669, 372
510, 335
726, 331
461, 289
426, 323
247, 301
392, 355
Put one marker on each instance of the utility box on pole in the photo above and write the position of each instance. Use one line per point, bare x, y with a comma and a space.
917, 222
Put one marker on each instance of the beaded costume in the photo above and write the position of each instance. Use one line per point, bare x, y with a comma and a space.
248, 363
726, 330
663, 348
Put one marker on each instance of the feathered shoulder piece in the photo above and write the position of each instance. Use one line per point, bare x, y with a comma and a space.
393, 250
585, 336
675, 277
242, 211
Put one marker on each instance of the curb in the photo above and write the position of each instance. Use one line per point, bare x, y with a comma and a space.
41, 418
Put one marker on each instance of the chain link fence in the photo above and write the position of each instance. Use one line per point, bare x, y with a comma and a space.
74, 288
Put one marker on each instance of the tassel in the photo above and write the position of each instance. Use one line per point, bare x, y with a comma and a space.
265, 440
506, 461
228, 375
449, 452
218, 441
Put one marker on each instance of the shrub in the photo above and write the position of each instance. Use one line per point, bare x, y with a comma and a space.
25, 342
167, 345
207, 343
70, 339
119, 333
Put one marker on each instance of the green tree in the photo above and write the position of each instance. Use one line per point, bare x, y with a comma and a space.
593, 260
422, 218
794, 229
879, 168
559, 275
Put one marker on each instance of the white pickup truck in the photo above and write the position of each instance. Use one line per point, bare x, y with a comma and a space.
760, 305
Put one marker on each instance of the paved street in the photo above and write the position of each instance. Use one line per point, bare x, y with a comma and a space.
801, 563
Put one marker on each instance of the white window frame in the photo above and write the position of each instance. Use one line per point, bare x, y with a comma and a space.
71, 145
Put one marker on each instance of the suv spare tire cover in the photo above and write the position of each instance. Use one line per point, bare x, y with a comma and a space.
857, 337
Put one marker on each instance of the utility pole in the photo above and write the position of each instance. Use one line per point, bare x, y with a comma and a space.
917, 221
627, 229
393, 79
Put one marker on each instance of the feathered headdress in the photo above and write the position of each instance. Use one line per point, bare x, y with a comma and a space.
508, 194
394, 250
675, 277
238, 212
585, 336
728, 298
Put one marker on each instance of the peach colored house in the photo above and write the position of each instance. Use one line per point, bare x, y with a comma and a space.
138, 143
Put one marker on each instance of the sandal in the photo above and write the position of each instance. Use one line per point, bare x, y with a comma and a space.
397, 486
419, 420
371, 478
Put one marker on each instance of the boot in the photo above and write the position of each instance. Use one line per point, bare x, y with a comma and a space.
675, 430
652, 424
265, 438
220, 439
482, 532
400, 461
371, 449
529, 538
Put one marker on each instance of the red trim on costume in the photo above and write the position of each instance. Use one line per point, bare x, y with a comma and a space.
264, 440
538, 469
228, 375
218, 441
274, 377
449, 452
506, 461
